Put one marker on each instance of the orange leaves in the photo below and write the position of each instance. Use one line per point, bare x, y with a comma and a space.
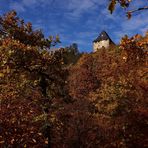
134, 48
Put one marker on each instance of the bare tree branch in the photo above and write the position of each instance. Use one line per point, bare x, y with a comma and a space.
139, 9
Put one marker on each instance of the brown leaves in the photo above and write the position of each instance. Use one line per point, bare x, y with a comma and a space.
121, 91
111, 6
124, 4
82, 79
129, 15
22, 64
103, 101
14, 27
134, 48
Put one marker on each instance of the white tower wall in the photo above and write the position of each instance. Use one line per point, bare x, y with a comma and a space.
98, 45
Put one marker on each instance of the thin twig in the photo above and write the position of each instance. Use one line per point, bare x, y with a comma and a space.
139, 9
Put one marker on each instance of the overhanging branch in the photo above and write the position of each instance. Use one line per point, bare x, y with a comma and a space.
139, 9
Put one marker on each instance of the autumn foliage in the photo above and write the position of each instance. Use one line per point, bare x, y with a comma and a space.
70, 100
30, 78
117, 89
125, 4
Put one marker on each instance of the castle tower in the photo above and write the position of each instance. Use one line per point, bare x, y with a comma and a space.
103, 40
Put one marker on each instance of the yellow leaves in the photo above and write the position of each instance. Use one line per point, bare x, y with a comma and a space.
36, 82
10, 52
57, 38
41, 117
2, 75
53, 118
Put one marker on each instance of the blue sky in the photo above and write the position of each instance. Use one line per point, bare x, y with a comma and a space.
78, 21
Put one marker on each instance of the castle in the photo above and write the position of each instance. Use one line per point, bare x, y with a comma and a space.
103, 40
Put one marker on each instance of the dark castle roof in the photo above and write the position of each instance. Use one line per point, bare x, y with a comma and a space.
103, 36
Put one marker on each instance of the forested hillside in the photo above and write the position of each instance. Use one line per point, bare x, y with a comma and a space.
68, 99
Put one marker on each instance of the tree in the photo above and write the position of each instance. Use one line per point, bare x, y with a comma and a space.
31, 80
82, 79
124, 4
11, 26
118, 101
71, 55
100, 100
